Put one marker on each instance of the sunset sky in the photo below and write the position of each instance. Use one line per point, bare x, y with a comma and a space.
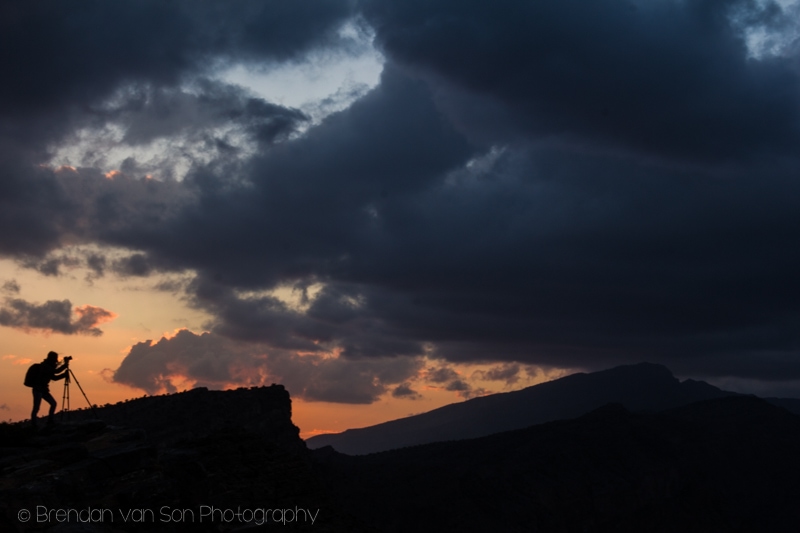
390, 205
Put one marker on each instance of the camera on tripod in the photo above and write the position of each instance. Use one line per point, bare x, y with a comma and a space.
65, 398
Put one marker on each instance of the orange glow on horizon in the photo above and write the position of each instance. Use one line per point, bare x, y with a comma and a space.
314, 432
152, 315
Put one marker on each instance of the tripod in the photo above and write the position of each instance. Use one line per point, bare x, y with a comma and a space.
65, 398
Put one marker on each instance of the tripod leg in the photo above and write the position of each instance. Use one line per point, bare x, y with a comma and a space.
78, 383
65, 398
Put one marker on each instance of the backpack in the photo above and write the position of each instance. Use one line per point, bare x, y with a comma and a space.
35, 376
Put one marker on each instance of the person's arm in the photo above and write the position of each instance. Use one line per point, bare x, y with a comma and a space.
60, 372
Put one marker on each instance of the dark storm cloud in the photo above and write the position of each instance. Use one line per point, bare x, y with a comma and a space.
95, 64
534, 253
70, 54
94, 206
30, 205
586, 258
335, 320
664, 78
567, 184
312, 204
134, 265
54, 316
126, 207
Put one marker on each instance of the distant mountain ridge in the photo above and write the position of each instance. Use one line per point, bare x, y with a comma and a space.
722, 465
643, 387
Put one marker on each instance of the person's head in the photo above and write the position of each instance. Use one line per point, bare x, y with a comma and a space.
52, 358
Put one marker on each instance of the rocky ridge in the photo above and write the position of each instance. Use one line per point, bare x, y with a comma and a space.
158, 463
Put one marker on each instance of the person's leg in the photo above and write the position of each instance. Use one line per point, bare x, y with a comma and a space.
52, 401
37, 401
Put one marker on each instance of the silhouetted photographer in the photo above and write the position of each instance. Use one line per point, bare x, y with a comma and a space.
39, 376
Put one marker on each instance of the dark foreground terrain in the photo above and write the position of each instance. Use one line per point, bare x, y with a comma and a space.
185, 462
233, 461
729, 464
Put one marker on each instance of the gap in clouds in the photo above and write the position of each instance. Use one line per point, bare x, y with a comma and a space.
323, 83
163, 133
296, 297
770, 35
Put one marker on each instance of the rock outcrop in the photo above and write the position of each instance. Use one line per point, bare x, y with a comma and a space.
262, 410
182, 462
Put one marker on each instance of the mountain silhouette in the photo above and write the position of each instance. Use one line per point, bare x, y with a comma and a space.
723, 465
643, 387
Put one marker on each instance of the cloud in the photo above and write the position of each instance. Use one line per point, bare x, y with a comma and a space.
508, 373
440, 375
336, 319
465, 390
51, 265
457, 385
182, 39
54, 316
123, 82
405, 391
212, 360
11, 287
16, 360
474, 393
662, 78
133, 265
448, 379
97, 264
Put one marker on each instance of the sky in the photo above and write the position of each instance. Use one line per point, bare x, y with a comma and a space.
390, 205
